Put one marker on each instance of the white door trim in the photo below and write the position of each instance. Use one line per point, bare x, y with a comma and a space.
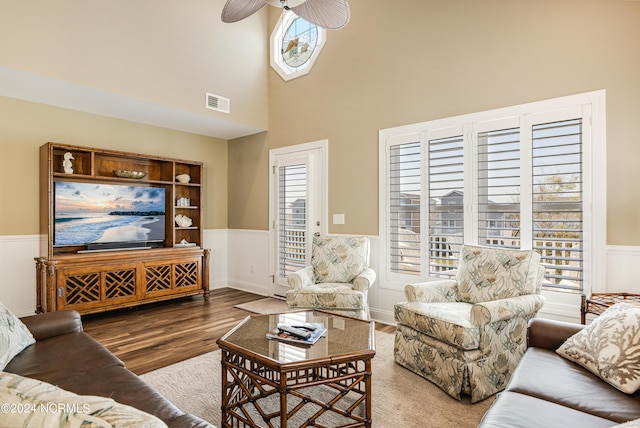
317, 151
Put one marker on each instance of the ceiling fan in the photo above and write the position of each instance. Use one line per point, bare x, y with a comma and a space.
329, 14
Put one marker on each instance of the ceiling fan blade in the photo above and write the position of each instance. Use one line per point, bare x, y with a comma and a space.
329, 14
235, 10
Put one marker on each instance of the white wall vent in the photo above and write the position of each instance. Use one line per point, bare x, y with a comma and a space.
218, 103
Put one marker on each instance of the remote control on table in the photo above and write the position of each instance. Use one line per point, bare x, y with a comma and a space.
303, 334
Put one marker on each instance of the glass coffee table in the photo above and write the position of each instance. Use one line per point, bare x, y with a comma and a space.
272, 383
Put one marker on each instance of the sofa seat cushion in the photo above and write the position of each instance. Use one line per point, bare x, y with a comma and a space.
327, 295
53, 359
544, 374
515, 410
39, 403
448, 322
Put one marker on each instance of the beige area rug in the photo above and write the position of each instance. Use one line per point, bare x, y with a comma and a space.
400, 398
268, 305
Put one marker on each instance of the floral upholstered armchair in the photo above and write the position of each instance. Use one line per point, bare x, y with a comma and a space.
467, 334
338, 279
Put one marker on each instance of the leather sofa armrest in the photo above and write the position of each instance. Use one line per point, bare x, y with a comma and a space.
50, 324
550, 334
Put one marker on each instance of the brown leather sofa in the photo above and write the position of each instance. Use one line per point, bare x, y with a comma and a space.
547, 390
65, 356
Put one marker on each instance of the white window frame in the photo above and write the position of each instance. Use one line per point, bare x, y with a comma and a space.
594, 175
277, 62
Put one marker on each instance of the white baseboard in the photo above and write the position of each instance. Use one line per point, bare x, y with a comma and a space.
248, 287
382, 316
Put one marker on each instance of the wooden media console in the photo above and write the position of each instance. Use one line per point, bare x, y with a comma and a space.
113, 275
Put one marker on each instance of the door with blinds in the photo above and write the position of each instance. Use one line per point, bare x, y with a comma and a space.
297, 207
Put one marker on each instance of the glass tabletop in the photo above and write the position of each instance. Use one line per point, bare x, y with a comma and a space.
345, 336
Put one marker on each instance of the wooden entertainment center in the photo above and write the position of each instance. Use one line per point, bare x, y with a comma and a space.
77, 277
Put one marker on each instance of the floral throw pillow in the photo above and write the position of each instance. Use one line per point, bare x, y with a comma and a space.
609, 347
14, 336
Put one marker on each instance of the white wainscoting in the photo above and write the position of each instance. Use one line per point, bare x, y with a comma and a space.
18, 272
217, 241
249, 269
240, 259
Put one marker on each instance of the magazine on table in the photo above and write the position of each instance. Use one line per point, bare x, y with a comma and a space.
300, 333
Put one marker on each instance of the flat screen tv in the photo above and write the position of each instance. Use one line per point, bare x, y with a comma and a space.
108, 216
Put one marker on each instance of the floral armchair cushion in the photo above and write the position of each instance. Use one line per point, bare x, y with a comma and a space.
340, 258
489, 273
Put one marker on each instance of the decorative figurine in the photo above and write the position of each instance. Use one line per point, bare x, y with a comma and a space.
183, 178
183, 221
66, 164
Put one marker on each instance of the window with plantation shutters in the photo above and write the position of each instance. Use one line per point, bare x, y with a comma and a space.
446, 204
404, 208
499, 173
558, 201
519, 177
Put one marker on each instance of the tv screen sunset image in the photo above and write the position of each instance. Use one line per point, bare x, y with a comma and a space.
89, 213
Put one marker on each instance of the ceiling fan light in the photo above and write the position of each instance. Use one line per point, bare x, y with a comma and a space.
288, 3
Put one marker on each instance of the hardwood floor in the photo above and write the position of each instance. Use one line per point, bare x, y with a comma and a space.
156, 335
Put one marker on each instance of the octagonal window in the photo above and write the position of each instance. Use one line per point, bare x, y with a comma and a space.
295, 45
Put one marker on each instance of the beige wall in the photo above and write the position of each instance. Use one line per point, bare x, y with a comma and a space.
168, 52
26, 126
401, 62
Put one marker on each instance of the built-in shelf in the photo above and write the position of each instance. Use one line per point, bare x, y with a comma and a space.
71, 277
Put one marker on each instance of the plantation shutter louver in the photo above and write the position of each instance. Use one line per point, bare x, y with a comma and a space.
499, 188
292, 218
558, 202
446, 204
404, 208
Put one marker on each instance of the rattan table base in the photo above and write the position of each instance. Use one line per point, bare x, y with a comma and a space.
275, 384
326, 394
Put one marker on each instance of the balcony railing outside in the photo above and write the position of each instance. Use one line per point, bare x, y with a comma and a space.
562, 259
293, 255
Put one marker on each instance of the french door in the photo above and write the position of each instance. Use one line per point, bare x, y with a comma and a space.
297, 208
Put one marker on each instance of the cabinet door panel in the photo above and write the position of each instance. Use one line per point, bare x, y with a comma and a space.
175, 277
188, 275
93, 286
157, 279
